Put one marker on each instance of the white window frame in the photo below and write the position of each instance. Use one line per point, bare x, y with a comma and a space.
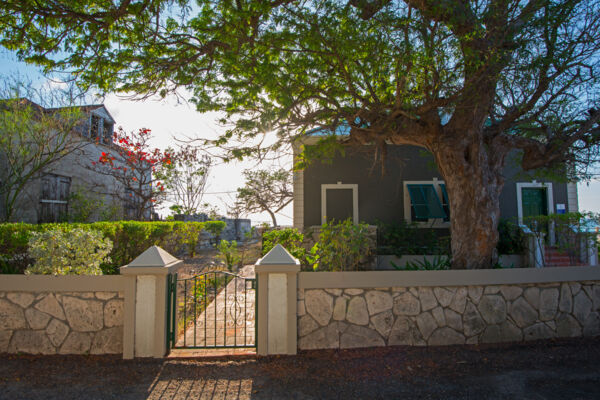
339, 185
535, 185
432, 222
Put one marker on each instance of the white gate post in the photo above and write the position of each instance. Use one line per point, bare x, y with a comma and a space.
277, 276
150, 271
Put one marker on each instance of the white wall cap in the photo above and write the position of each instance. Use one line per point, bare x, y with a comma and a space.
278, 256
153, 257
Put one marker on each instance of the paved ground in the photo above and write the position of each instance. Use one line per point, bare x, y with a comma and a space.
565, 369
229, 319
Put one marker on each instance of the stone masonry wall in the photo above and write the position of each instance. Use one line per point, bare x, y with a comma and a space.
61, 323
420, 316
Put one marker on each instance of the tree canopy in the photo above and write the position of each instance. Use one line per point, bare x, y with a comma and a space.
470, 81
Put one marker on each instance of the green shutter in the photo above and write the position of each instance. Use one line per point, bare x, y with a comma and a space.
425, 202
444, 193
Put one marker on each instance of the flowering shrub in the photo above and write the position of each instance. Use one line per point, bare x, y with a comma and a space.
78, 252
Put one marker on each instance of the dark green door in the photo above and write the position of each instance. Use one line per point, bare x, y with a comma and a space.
534, 202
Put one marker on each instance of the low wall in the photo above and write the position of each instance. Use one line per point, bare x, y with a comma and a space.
385, 308
65, 314
384, 262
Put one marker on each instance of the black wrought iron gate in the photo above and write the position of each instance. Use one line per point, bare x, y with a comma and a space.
214, 309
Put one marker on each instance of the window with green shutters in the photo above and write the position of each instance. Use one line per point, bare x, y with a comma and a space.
425, 203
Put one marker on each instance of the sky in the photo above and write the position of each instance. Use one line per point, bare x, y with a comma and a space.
169, 119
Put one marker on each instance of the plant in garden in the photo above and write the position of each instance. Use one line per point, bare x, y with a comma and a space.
135, 165
265, 191
290, 238
341, 246
229, 254
185, 178
402, 238
512, 239
78, 252
215, 228
437, 264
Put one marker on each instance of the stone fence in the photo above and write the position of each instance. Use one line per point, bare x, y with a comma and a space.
365, 309
119, 314
62, 315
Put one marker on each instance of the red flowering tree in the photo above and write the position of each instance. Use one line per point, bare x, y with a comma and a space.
132, 162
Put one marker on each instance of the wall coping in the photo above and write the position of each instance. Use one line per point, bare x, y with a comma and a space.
372, 279
69, 283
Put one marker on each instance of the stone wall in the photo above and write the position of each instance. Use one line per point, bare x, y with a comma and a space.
61, 323
349, 318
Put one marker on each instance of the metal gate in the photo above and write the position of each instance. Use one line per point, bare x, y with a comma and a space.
214, 309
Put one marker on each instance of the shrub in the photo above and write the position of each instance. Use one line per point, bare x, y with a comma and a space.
129, 238
215, 228
341, 247
78, 252
403, 238
228, 253
290, 238
511, 238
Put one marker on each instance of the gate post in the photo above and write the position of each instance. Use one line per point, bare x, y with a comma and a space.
277, 276
150, 270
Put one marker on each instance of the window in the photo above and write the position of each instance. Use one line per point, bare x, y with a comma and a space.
95, 127
427, 202
108, 133
54, 198
445, 202
339, 202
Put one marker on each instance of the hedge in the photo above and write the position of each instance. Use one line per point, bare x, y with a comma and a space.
129, 238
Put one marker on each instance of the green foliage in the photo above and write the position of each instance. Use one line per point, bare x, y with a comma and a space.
402, 238
341, 246
129, 238
512, 239
229, 254
77, 252
290, 238
215, 228
438, 263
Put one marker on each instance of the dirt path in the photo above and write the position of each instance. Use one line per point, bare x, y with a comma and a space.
565, 369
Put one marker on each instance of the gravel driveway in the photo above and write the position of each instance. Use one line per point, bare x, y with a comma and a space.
561, 369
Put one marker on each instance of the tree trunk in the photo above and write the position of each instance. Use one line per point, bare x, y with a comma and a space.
272, 214
474, 180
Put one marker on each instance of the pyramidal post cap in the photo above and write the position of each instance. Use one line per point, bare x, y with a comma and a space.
153, 257
278, 255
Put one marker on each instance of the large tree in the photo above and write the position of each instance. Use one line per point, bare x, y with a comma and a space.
470, 81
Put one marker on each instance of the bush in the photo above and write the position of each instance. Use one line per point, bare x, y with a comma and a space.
290, 238
341, 247
511, 238
215, 228
78, 252
129, 238
228, 253
403, 238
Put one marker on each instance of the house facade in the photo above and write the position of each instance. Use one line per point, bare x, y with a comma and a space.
72, 184
411, 189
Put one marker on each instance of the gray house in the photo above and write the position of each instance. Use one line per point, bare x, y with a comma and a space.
412, 189
50, 196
